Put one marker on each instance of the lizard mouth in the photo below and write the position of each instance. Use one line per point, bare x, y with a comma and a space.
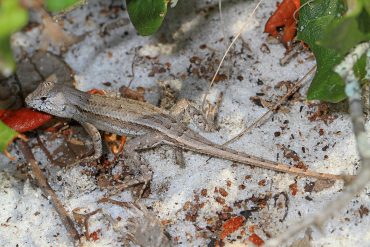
29, 101
36, 103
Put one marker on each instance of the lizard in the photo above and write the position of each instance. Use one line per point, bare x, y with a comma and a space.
148, 125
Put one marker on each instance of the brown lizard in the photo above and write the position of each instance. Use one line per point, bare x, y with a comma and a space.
149, 125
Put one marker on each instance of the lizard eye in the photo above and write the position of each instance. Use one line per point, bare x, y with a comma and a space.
43, 98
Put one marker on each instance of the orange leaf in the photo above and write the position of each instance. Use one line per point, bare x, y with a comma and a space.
94, 235
96, 91
231, 226
293, 189
24, 119
283, 18
254, 238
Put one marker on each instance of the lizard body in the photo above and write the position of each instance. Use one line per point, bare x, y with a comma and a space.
149, 124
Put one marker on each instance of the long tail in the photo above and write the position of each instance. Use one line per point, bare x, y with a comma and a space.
226, 153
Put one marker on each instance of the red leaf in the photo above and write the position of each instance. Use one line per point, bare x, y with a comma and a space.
96, 91
94, 235
24, 119
254, 238
231, 226
293, 189
283, 17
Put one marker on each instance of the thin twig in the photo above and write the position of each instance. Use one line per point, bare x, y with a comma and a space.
222, 21
47, 153
227, 51
83, 219
296, 49
265, 116
133, 67
223, 34
43, 184
353, 91
297, 10
115, 202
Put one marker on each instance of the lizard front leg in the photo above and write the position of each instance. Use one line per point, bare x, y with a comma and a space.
131, 153
94, 133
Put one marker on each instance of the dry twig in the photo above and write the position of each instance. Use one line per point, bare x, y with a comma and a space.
133, 63
43, 184
83, 219
47, 153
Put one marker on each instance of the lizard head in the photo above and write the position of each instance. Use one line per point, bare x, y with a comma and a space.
49, 97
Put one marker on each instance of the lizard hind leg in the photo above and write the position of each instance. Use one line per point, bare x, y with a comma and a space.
136, 162
185, 111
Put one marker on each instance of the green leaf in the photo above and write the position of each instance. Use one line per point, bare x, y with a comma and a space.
58, 5
146, 15
12, 17
367, 6
360, 68
314, 19
331, 35
345, 33
7, 134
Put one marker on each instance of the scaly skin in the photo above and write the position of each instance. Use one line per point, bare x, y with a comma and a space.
134, 118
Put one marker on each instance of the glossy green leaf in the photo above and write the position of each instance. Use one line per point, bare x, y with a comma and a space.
314, 19
7, 134
367, 5
331, 33
147, 15
360, 68
58, 5
353, 28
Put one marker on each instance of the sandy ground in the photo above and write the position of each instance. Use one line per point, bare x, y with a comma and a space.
195, 201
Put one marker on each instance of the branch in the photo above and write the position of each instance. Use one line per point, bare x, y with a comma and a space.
353, 91
43, 184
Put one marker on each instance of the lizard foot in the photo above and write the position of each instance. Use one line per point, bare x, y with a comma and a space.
144, 229
185, 111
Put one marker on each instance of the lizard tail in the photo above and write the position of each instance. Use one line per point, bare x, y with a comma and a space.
233, 155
